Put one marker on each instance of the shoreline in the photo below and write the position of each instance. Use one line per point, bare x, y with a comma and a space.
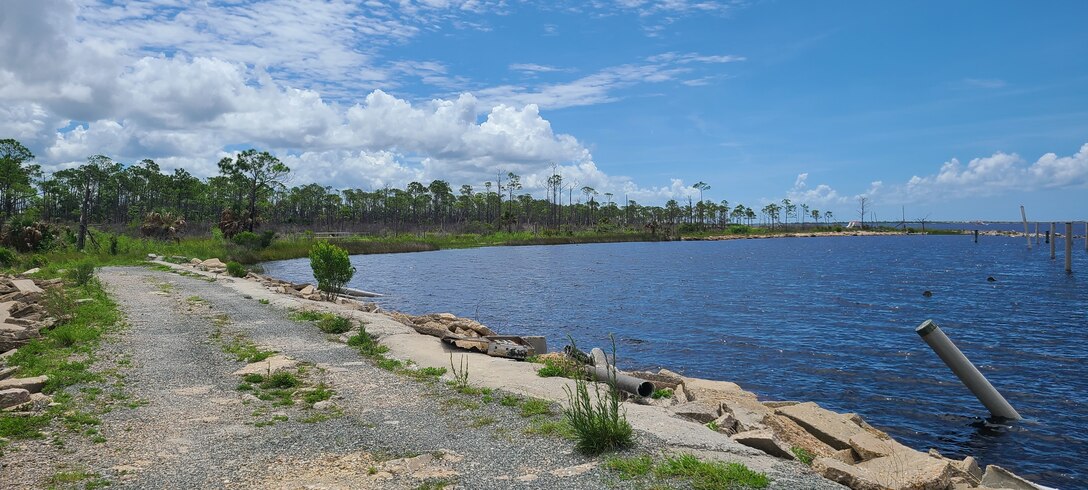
766, 434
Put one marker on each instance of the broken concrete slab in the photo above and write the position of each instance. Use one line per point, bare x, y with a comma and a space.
998, 477
268, 366
13, 396
887, 473
832, 428
699, 410
764, 440
870, 446
27, 286
33, 385
7, 372
797, 436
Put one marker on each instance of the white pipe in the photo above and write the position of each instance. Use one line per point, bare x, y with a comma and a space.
967, 372
1024, 215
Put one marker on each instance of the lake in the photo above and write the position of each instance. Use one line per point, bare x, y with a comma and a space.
827, 319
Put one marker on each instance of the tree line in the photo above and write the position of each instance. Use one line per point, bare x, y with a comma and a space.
250, 191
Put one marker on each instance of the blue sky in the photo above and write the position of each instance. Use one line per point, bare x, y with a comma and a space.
947, 109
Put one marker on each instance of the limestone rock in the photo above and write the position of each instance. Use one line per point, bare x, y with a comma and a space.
195, 261
764, 440
27, 286
308, 290
797, 436
998, 477
887, 473
32, 385
7, 372
870, 446
699, 411
968, 468
211, 264
832, 428
13, 396
31, 271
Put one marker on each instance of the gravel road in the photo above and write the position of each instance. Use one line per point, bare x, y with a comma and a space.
182, 422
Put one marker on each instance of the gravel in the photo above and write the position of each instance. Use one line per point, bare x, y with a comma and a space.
192, 428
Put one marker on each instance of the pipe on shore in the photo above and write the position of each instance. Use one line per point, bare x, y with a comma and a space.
359, 293
967, 372
630, 384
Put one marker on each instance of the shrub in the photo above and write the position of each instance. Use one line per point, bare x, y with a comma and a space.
236, 270
334, 324
332, 268
164, 226
248, 240
26, 235
599, 424
7, 257
82, 272
113, 244
366, 344
280, 380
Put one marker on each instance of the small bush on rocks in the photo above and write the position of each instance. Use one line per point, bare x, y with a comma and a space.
236, 270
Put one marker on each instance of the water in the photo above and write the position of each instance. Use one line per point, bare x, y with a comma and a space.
829, 320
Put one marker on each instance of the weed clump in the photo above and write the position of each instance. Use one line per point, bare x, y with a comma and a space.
279, 381
82, 272
598, 422
236, 269
334, 324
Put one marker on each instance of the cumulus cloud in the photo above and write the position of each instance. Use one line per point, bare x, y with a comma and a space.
1001, 172
821, 195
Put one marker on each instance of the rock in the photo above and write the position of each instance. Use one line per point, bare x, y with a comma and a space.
699, 410
991, 279
27, 286
250, 398
764, 440
927, 293
796, 436
13, 396
968, 468
998, 477
195, 261
324, 405
847, 456
83, 300
869, 446
8, 353
7, 372
32, 385
213, 264
832, 428
888, 473
268, 366
31, 271
308, 290
446, 316
726, 424
779, 404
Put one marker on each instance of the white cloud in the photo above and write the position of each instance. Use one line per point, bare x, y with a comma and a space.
1001, 172
821, 195
534, 68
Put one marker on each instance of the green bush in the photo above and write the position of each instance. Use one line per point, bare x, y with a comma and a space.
82, 272
332, 267
599, 424
280, 380
7, 257
334, 324
236, 270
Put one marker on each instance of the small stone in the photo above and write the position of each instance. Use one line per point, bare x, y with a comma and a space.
308, 290
324, 405
991, 279
31, 271
927, 293
83, 300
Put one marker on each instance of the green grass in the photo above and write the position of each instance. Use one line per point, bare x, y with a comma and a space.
244, 349
803, 455
509, 400
307, 315
544, 426
334, 324
367, 345
661, 393
710, 475
263, 301
562, 368
482, 421
535, 406
318, 394
12, 427
632, 467
281, 380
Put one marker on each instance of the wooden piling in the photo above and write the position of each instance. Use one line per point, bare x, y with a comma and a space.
1024, 216
1051, 238
976, 236
1069, 247
1036, 232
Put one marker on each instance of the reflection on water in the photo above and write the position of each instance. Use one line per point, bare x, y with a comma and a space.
824, 319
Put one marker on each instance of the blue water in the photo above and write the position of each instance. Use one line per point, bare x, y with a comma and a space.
824, 319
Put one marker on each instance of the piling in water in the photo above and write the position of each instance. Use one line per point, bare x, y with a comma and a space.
1024, 215
976, 236
1052, 237
967, 372
1069, 247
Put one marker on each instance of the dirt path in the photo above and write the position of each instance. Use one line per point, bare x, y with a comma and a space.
184, 423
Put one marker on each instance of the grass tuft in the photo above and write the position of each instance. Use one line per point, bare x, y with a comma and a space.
709, 475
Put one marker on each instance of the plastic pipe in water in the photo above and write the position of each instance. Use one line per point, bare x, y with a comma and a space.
967, 372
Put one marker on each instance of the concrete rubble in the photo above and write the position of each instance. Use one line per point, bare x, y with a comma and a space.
23, 318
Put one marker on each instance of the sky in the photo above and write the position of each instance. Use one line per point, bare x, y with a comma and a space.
929, 110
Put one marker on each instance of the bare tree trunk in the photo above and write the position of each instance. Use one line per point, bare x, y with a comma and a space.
84, 209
